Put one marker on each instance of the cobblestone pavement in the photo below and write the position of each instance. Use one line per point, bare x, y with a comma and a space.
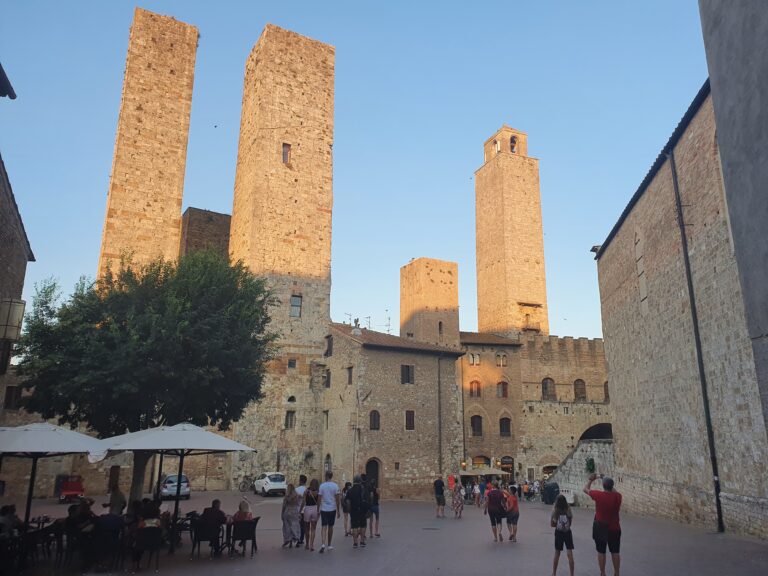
413, 541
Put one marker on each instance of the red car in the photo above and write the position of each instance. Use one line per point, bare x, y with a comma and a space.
71, 489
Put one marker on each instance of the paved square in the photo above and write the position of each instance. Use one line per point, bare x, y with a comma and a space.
415, 542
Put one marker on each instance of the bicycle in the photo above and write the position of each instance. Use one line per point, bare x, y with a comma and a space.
246, 483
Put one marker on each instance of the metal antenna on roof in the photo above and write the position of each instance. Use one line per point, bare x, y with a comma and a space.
368, 321
389, 322
349, 317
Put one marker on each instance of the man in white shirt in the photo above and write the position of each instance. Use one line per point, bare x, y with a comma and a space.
300, 489
330, 509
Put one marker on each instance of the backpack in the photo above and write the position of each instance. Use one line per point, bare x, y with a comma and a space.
563, 523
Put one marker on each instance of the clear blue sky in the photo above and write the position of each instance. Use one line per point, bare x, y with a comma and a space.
598, 86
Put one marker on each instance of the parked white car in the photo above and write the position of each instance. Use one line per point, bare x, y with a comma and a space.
168, 487
270, 483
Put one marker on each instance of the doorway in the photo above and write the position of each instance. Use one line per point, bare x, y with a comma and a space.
372, 470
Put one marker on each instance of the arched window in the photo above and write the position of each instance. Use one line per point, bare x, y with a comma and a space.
579, 391
291, 399
548, 391
496, 146
505, 427
474, 359
501, 359
477, 425
513, 144
375, 420
502, 390
328, 464
480, 461
474, 389
607, 396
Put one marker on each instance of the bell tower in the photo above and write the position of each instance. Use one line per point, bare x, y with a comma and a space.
511, 283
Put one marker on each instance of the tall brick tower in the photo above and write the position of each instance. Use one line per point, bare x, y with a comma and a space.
147, 181
281, 229
511, 285
429, 301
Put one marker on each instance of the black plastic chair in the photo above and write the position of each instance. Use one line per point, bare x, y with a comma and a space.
242, 532
205, 532
147, 540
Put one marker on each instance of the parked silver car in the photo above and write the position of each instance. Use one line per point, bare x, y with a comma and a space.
168, 487
270, 483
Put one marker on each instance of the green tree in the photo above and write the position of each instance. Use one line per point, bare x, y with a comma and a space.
160, 345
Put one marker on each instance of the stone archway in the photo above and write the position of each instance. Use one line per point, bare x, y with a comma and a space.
373, 470
602, 431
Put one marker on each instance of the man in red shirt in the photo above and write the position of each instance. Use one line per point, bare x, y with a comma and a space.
606, 530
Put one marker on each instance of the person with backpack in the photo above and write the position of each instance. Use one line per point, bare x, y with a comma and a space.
561, 521
358, 499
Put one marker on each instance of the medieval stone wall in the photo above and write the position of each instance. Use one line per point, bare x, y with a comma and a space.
13, 239
572, 474
204, 230
662, 455
143, 216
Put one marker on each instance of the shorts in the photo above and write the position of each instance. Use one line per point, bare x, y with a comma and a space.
310, 514
374, 510
497, 517
327, 518
440, 499
563, 538
357, 520
605, 538
512, 518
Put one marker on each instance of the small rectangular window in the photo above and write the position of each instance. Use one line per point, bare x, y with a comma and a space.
397, 465
328, 346
349, 374
325, 418
286, 153
327, 379
12, 398
291, 362
410, 423
295, 311
407, 372
290, 420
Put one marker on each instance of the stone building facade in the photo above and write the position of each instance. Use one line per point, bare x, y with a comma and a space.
204, 230
686, 403
392, 409
143, 218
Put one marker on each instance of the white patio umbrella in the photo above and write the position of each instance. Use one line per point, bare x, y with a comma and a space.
180, 440
35, 441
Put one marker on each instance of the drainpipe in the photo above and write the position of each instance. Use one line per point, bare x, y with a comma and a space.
697, 341
439, 417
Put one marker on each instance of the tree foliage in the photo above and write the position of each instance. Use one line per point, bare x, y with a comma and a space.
167, 343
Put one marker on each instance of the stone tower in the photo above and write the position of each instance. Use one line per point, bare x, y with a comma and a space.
511, 285
144, 201
281, 229
429, 301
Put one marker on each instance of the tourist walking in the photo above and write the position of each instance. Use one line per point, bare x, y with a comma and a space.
290, 516
358, 508
561, 520
310, 513
495, 508
300, 489
482, 490
330, 510
476, 493
439, 490
458, 500
373, 522
606, 529
513, 512
345, 507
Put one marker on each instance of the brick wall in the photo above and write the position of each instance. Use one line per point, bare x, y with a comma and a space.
662, 456
143, 216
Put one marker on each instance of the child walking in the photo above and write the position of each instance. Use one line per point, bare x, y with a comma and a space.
561, 520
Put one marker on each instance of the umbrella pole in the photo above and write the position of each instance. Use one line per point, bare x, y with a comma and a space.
176, 505
159, 476
31, 489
